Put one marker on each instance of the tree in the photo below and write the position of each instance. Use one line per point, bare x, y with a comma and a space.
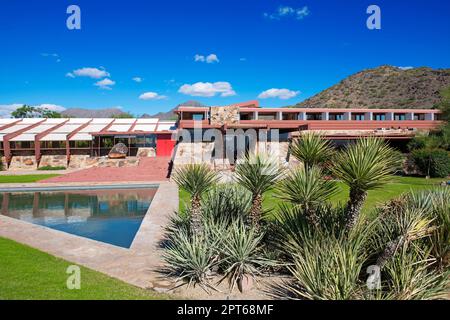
27, 111
123, 115
363, 166
307, 189
195, 179
311, 149
258, 174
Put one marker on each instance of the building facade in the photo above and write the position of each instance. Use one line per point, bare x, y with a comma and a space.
218, 135
35, 142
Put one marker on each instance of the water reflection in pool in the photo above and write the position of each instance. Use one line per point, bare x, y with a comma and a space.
112, 216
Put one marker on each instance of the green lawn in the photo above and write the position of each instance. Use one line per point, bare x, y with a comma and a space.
28, 178
27, 273
395, 188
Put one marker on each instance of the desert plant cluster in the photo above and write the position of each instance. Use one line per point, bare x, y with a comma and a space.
322, 250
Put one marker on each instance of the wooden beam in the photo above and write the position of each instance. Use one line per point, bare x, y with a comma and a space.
12, 135
39, 136
9, 125
70, 135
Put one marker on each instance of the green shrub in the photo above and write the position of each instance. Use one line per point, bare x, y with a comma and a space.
242, 254
51, 168
433, 163
226, 203
191, 259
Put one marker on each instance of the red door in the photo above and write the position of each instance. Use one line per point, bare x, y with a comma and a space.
164, 145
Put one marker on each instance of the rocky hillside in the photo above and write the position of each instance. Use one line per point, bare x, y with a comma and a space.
384, 87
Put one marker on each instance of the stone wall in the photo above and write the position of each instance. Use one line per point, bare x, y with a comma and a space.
202, 152
224, 115
146, 152
85, 161
22, 163
53, 161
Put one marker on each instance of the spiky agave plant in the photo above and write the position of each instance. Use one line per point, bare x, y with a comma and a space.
195, 179
366, 165
411, 276
258, 174
436, 203
306, 188
328, 267
311, 149
226, 203
192, 258
241, 254
290, 227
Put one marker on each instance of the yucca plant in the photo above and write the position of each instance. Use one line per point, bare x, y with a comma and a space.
411, 276
290, 227
366, 165
191, 259
328, 268
227, 203
400, 229
258, 174
311, 149
307, 189
242, 254
436, 203
195, 179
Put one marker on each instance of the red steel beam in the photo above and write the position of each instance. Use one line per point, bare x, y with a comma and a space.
12, 135
39, 136
9, 125
70, 135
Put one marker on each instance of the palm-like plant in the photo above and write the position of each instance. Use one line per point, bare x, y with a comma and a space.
258, 174
311, 149
307, 189
195, 179
363, 166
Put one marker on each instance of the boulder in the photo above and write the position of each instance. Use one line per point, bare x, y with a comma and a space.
119, 151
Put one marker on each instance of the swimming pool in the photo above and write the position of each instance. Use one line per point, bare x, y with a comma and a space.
109, 215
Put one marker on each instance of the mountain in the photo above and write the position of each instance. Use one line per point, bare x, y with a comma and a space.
384, 87
170, 115
92, 113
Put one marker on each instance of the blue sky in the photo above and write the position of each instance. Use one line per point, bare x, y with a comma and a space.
253, 46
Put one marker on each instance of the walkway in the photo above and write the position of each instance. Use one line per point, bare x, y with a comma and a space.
149, 169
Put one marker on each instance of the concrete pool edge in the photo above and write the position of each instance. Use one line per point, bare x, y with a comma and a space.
137, 265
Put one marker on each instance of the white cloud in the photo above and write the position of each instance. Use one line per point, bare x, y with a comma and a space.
199, 58
151, 96
138, 79
93, 73
105, 84
285, 11
208, 89
405, 68
211, 58
283, 94
7, 109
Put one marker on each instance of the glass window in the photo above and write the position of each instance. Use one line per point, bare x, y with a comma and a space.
399, 116
358, 116
379, 117
336, 116
313, 116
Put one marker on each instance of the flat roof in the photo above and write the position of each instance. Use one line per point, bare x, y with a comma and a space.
80, 129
